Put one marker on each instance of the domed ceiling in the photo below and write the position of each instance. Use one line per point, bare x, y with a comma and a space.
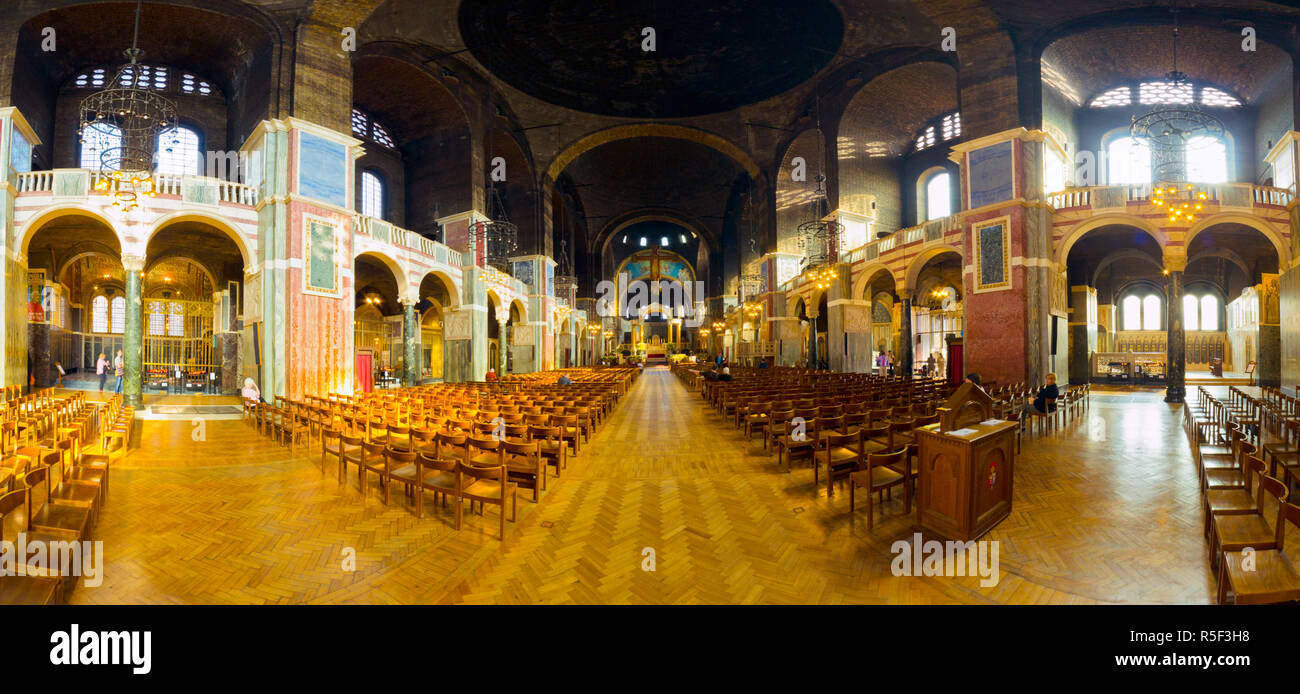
709, 58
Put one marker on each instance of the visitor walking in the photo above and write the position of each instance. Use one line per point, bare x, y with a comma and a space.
101, 369
119, 370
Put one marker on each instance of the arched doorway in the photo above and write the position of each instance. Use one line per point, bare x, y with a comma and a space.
75, 303
437, 294
937, 310
191, 293
377, 323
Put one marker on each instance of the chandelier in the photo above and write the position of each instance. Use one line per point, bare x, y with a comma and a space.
821, 277
1171, 129
1180, 204
128, 109
566, 282
498, 236
818, 235
752, 309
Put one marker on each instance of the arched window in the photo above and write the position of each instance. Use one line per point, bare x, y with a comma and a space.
96, 140
99, 314
1201, 312
117, 314
1191, 313
178, 152
938, 191
1132, 307
1151, 310
1209, 312
1128, 161
372, 194
1207, 160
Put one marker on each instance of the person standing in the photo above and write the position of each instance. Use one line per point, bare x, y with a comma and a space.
930, 366
119, 370
101, 370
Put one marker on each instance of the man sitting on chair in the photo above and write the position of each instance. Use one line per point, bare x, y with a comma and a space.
1045, 401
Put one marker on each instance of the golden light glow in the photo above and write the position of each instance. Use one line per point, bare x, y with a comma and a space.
1177, 207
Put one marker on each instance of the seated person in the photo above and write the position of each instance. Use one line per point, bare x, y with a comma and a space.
726, 373
564, 380
711, 373
250, 391
973, 378
1049, 392
491, 375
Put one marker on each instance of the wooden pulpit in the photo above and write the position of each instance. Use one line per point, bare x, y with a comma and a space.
967, 461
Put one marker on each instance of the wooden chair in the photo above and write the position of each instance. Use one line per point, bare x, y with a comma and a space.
399, 466
799, 439
1236, 532
1271, 578
551, 446
883, 471
842, 454
1234, 501
373, 460
437, 475
486, 485
30, 589
524, 465
46, 516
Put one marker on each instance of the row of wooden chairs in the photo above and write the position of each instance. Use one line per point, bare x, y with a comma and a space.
54, 493
1244, 501
481, 450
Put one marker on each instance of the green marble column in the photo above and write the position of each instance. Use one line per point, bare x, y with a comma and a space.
410, 346
133, 333
1176, 354
503, 340
904, 361
812, 341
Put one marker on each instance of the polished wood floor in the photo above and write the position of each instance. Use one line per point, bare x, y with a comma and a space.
1107, 509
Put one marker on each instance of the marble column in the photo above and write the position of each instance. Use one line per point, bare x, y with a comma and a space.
904, 365
812, 340
503, 353
410, 344
133, 333
1176, 354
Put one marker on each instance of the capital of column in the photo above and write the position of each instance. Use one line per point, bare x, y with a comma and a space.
133, 263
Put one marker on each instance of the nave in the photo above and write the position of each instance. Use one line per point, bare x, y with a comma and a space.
1106, 509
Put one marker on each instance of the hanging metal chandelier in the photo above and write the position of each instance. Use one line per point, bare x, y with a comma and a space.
566, 282
819, 234
1179, 125
135, 116
498, 236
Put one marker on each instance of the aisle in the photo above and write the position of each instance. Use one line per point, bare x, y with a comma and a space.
724, 523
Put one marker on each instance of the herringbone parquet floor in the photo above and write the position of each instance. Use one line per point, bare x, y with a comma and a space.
1106, 510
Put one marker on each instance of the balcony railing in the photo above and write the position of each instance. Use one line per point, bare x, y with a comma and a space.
385, 232
1227, 194
933, 230
195, 189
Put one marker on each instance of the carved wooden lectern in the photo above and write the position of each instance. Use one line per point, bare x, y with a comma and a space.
966, 465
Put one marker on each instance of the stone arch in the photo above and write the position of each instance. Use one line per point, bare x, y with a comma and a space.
918, 263
448, 285
523, 311
677, 132
865, 277
399, 275
49, 214
1280, 245
1110, 219
216, 221
1122, 254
